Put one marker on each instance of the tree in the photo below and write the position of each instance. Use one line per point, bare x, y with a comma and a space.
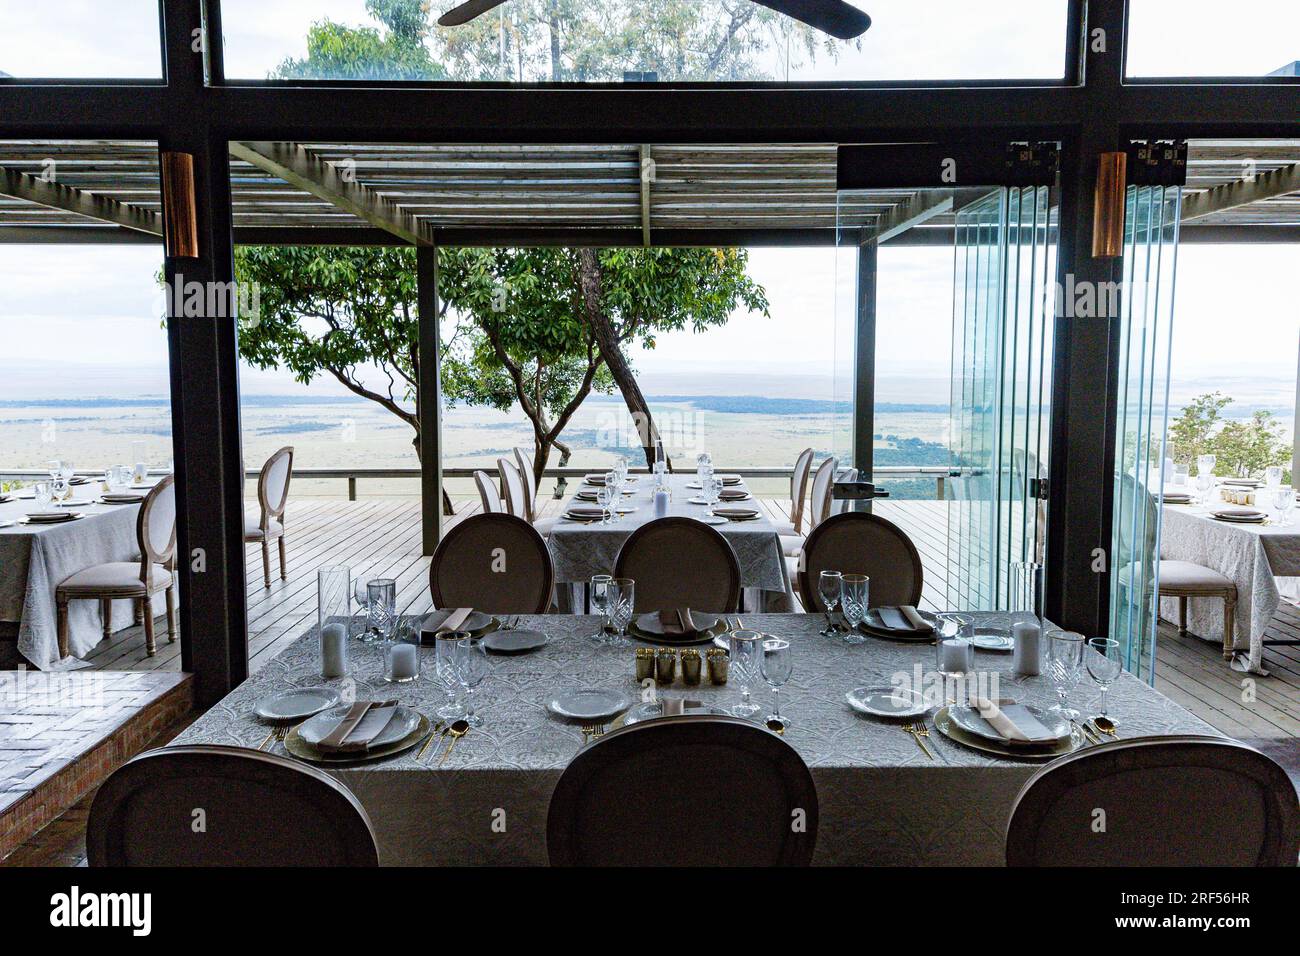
399, 52
1191, 432
1240, 447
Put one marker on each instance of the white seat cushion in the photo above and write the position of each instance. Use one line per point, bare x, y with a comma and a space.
1185, 574
116, 575
784, 527
791, 544
253, 529
544, 526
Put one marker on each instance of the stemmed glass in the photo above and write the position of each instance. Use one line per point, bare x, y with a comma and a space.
1284, 500
361, 594
447, 666
1064, 658
1104, 666
777, 664
712, 491
746, 667
1273, 476
61, 489
44, 494
830, 585
855, 599
614, 485
621, 605
53, 466
602, 593
67, 473
472, 666
605, 498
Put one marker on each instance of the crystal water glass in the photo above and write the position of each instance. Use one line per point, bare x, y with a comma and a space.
605, 498
855, 599
53, 467
1284, 501
446, 663
44, 494
1204, 485
746, 668
381, 608
61, 489
1273, 476
472, 666
621, 607
1205, 464
1104, 665
1064, 658
361, 595
712, 489
830, 585
601, 593
777, 665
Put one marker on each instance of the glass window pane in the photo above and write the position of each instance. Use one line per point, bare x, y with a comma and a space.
1212, 38
80, 39
639, 40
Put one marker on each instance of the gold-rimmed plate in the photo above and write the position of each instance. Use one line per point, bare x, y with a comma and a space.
1067, 745
650, 635
295, 745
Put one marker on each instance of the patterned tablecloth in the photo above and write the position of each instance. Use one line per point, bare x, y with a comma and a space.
1252, 555
34, 559
882, 801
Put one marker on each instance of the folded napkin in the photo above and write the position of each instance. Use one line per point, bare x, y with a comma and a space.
357, 729
914, 618
1014, 722
455, 620
893, 619
586, 511
677, 621
676, 706
733, 494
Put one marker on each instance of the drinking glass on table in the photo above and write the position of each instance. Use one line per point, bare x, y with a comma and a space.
1064, 658
1104, 666
830, 585
1284, 501
621, 607
53, 467
361, 594
1273, 476
615, 485
60, 488
1204, 485
712, 491
447, 664
472, 666
605, 498
777, 665
44, 494
746, 668
854, 601
601, 597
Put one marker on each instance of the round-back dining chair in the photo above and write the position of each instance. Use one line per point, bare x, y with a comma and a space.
139, 581
820, 503
272, 499
204, 805
680, 563
1168, 801
525, 467
495, 563
512, 489
487, 493
633, 796
860, 543
798, 494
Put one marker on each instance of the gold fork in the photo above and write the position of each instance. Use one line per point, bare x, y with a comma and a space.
432, 733
923, 729
916, 735
588, 731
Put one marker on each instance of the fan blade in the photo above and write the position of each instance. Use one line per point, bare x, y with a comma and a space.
839, 19
467, 11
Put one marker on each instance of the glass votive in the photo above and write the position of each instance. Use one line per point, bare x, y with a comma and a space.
956, 655
719, 665
645, 664
401, 662
691, 667
665, 665
333, 597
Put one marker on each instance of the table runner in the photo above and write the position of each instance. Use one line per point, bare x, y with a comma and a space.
1251, 555
882, 801
35, 559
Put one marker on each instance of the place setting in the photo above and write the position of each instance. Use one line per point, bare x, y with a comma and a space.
678, 627
357, 733
1239, 516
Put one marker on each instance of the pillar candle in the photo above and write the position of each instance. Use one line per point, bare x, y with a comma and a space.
333, 650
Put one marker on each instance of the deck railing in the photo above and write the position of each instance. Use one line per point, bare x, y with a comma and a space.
938, 473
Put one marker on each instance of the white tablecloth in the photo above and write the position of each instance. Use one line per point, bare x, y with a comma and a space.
35, 559
882, 801
1251, 555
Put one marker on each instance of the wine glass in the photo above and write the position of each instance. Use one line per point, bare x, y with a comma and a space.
1064, 658
621, 607
855, 599
361, 594
602, 591
472, 666
1104, 666
712, 491
605, 498
777, 664
1204, 483
746, 668
447, 667
1284, 500
60, 488
44, 494
1273, 476
830, 585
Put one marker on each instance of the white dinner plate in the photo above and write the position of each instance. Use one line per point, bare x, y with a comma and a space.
319, 727
476, 622
75, 503
297, 704
969, 720
993, 639
887, 701
714, 520
654, 709
514, 641
51, 517
589, 703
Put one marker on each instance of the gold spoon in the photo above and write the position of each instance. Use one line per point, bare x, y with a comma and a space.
776, 726
1105, 725
457, 730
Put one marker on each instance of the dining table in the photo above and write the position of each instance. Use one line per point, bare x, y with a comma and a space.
580, 549
882, 798
1253, 556
35, 558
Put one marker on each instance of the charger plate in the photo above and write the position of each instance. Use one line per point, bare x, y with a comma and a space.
702, 636
944, 724
305, 751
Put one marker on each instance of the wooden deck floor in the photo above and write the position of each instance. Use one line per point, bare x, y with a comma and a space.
380, 537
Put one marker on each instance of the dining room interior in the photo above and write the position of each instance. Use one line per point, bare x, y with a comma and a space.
401, 445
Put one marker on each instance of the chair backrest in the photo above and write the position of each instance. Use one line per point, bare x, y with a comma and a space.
258, 809
496, 563
155, 526
273, 484
839, 506
1168, 801
823, 479
487, 492
680, 562
799, 486
634, 796
859, 543
530, 482
512, 485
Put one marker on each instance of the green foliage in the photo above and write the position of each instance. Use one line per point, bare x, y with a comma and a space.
398, 52
1241, 448
1190, 434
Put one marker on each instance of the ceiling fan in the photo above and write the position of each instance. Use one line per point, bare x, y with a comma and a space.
839, 19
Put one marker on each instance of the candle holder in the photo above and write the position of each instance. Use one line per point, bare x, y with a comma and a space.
665, 665
402, 654
719, 665
334, 605
645, 664
381, 609
691, 667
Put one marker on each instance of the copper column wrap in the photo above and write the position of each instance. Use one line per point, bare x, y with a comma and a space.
180, 223
1108, 206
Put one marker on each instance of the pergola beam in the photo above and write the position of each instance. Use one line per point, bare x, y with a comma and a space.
647, 177
56, 195
925, 205
1269, 185
299, 168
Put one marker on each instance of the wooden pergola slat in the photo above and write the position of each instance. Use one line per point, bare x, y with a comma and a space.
56, 195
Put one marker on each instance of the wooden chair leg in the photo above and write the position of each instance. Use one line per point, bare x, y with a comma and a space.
106, 613
62, 616
266, 563
283, 576
1229, 620
1182, 617
171, 615
139, 612
149, 648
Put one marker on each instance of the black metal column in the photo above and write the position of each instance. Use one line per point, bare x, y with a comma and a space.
429, 397
864, 363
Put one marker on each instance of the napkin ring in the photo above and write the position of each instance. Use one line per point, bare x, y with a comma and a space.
645, 664
719, 664
691, 667
665, 665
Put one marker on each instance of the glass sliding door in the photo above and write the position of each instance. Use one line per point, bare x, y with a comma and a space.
1145, 327
1004, 264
